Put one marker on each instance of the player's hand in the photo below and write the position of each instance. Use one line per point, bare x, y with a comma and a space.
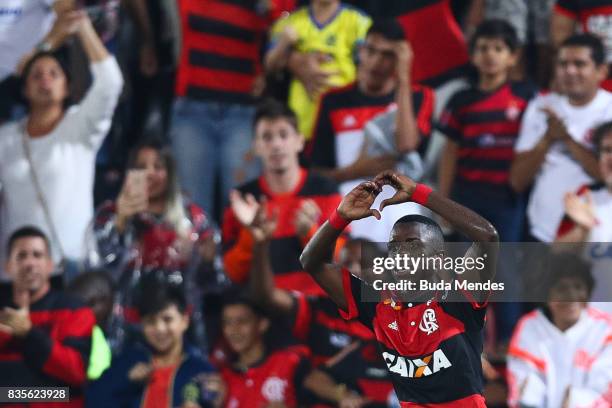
556, 128
403, 185
356, 204
140, 372
405, 56
289, 35
244, 208
306, 217
581, 209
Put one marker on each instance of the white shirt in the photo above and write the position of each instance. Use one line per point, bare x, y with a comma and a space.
23, 24
598, 250
560, 172
546, 361
64, 164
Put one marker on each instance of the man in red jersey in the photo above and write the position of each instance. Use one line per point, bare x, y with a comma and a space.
431, 346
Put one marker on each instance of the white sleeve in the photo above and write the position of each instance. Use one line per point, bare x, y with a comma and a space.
598, 388
95, 112
533, 127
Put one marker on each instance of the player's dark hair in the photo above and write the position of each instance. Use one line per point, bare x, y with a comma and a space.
271, 109
155, 295
496, 29
599, 134
388, 28
434, 236
28, 231
567, 265
590, 41
27, 69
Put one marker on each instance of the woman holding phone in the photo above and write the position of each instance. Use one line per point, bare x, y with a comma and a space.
153, 228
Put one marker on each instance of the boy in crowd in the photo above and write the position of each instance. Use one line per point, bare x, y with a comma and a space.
45, 335
163, 371
95, 289
481, 124
561, 355
325, 34
301, 200
258, 376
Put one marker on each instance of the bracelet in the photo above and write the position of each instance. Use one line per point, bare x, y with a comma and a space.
421, 194
337, 221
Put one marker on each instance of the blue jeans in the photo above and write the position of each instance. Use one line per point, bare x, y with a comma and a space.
212, 140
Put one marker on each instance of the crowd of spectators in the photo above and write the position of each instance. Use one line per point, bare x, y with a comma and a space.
163, 164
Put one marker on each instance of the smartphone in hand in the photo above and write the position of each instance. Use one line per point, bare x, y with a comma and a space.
137, 183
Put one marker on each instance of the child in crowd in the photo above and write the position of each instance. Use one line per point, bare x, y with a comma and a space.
164, 371
259, 376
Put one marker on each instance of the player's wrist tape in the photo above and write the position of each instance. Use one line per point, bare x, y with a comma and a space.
421, 194
337, 221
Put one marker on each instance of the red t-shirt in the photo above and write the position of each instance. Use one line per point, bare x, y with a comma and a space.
159, 391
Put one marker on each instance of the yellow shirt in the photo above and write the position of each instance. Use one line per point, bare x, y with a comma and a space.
337, 38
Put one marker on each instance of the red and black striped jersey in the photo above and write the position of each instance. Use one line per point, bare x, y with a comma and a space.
285, 246
343, 112
277, 378
221, 47
317, 324
432, 349
362, 369
485, 126
55, 353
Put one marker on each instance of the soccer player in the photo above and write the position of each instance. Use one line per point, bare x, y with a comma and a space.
432, 348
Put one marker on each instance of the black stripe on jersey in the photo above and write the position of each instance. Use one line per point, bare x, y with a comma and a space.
483, 164
286, 255
394, 8
351, 97
317, 185
220, 28
245, 4
487, 116
475, 142
221, 62
199, 93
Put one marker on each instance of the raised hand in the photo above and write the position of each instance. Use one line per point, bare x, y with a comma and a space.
556, 128
306, 217
252, 215
581, 210
403, 185
356, 204
244, 208
405, 56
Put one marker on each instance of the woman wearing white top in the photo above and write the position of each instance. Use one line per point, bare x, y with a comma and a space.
47, 159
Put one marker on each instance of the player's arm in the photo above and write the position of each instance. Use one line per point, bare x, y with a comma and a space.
447, 167
261, 278
277, 57
482, 233
317, 257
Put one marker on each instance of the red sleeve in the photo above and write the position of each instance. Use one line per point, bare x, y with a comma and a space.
237, 248
64, 352
348, 287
